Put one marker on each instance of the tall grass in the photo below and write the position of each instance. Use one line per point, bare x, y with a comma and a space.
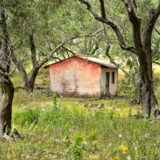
65, 129
71, 133
27, 117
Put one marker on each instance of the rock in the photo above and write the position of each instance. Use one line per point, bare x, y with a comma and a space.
157, 114
7, 137
94, 105
15, 134
86, 105
110, 108
100, 105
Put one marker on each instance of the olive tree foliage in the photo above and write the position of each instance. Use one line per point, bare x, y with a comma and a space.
31, 37
82, 35
141, 28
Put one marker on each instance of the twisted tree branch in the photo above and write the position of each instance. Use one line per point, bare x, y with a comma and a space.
114, 27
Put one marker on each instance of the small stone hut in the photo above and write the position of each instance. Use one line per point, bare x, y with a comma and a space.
83, 76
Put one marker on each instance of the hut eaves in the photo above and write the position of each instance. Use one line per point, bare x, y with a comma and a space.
91, 59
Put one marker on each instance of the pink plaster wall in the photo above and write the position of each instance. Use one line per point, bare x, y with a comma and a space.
75, 77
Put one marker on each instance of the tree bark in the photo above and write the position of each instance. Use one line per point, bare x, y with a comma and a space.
148, 99
146, 88
29, 87
6, 86
6, 97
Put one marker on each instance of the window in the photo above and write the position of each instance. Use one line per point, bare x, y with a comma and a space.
113, 77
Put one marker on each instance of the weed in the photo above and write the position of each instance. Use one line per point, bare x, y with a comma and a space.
78, 147
54, 100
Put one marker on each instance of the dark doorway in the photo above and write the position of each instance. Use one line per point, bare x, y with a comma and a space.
107, 83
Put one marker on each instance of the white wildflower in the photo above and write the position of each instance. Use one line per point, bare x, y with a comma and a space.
85, 143
128, 158
120, 136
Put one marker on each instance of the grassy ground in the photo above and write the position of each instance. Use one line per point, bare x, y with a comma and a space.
62, 128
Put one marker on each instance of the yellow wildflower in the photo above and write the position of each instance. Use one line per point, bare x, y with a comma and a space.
123, 148
94, 142
117, 158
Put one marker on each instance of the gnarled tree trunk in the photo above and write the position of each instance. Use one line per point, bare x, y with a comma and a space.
6, 86
148, 101
29, 83
6, 97
29, 80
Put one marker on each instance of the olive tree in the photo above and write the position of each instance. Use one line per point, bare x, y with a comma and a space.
6, 86
142, 43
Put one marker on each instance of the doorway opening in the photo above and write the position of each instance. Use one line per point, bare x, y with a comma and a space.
107, 83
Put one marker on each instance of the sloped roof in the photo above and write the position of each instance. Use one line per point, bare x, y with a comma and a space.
98, 61
91, 59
